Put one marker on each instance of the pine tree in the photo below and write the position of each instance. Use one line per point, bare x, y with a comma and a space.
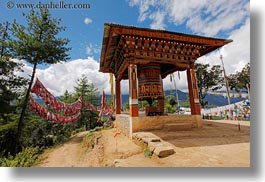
11, 85
67, 97
89, 95
37, 43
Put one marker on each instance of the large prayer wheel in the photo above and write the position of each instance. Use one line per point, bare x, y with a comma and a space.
150, 86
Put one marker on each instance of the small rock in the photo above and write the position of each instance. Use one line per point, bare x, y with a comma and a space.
116, 161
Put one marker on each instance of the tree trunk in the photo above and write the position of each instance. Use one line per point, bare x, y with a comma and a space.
90, 120
24, 107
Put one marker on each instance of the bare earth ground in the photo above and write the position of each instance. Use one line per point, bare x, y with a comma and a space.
215, 145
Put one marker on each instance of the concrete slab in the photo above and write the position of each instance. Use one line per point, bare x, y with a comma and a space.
177, 126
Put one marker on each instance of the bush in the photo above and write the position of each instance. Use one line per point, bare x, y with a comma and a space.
26, 158
35, 133
8, 134
148, 153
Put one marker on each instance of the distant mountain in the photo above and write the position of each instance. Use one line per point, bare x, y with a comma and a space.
220, 100
183, 96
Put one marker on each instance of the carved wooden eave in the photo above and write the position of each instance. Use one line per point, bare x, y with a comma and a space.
123, 45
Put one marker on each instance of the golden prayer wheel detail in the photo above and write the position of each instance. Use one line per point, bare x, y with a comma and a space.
150, 86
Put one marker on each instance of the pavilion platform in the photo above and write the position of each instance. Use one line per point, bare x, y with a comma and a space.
129, 125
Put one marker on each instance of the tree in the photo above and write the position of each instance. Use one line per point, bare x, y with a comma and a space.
93, 98
11, 85
37, 43
170, 103
241, 79
89, 95
207, 79
67, 97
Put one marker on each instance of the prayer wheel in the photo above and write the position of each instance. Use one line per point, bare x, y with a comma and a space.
150, 87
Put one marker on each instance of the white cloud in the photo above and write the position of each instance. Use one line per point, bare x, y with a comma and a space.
181, 82
221, 17
180, 11
236, 54
143, 7
60, 77
91, 49
158, 22
87, 21
205, 17
88, 50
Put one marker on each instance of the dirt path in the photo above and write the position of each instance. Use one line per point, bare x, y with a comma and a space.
66, 155
215, 145
99, 150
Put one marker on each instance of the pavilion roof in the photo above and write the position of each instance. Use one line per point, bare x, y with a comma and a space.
172, 45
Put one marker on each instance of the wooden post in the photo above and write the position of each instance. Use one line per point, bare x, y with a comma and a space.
118, 96
161, 102
193, 91
133, 97
161, 105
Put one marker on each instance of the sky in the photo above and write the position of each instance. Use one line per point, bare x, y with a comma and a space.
228, 19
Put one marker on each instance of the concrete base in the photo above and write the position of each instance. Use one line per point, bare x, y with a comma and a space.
129, 125
177, 126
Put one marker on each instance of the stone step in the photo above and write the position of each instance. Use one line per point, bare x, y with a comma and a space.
163, 151
178, 126
153, 139
159, 147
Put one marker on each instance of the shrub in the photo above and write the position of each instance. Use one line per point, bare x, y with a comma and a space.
8, 134
148, 153
26, 158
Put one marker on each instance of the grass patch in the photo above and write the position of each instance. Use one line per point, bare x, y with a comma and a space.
148, 153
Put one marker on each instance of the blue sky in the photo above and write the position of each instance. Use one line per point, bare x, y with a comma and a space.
222, 18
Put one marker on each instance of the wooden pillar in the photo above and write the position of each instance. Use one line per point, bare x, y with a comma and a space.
161, 102
161, 105
133, 95
193, 91
118, 96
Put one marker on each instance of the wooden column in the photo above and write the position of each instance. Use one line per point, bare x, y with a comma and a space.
161, 105
193, 91
118, 96
161, 102
133, 95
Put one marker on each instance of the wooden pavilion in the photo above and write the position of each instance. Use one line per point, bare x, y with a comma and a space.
145, 57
